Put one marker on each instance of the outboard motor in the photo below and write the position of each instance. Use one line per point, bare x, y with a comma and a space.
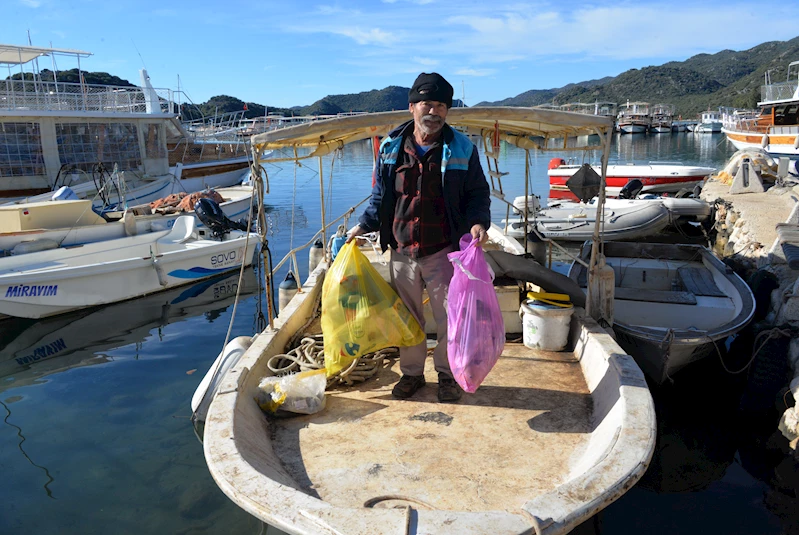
631, 189
212, 216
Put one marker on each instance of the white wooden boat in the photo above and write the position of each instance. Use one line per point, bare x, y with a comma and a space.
55, 281
634, 118
548, 440
672, 303
47, 224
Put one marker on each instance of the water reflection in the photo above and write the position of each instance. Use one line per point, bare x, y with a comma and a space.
32, 349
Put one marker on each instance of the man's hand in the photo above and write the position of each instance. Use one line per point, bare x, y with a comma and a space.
357, 231
479, 233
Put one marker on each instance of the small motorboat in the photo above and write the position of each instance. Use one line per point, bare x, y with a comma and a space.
36, 226
656, 177
672, 303
50, 282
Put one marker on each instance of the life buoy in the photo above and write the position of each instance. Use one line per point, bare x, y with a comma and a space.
764, 142
554, 163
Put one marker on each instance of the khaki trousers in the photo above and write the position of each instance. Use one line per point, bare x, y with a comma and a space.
409, 278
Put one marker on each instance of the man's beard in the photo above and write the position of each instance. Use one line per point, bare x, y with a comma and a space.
431, 124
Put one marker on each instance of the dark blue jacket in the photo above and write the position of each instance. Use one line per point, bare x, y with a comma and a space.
466, 193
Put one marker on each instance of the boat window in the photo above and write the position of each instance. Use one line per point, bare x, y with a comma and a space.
154, 146
86, 144
21, 150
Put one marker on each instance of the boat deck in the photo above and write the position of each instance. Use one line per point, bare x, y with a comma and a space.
524, 428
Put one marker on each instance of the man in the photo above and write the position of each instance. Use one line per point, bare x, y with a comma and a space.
429, 191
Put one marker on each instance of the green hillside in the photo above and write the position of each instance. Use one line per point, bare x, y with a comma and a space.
727, 78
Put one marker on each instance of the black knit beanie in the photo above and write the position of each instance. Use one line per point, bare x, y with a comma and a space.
431, 86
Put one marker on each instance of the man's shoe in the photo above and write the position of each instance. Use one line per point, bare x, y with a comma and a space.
407, 386
448, 389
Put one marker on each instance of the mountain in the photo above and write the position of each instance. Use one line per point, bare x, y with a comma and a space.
704, 81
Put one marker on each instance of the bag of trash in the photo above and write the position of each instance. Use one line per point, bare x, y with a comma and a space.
475, 329
361, 313
299, 393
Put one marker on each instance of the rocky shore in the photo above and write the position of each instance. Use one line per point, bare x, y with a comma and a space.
753, 195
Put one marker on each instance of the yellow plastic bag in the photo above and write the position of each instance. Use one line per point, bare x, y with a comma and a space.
361, 313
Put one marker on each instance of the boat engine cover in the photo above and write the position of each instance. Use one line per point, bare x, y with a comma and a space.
212, 216
584, 183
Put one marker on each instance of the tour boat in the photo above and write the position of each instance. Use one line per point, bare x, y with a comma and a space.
57, 132
634, 118
774, 127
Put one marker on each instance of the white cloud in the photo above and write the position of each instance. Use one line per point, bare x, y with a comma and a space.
475, 72
428, 62
375, 36
31, 3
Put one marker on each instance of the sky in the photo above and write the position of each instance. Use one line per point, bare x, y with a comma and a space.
293, 53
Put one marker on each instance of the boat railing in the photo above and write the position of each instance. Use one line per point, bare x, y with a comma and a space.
292, 254
222, 127
778, 91
37, 95
743, 121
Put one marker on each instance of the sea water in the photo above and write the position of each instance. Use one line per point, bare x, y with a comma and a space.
96, 436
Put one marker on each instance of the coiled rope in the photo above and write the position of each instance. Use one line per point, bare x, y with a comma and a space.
310, 355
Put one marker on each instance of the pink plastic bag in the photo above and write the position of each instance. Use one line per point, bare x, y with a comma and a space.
475, 329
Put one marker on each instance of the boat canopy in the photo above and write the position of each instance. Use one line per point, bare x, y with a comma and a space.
19, 55
526, 128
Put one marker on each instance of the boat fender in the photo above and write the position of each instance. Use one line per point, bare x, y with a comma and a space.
286, 291
554, 163
796, 142
206, 390
315, 255
764, 141
129, 223
64, 193
34, 246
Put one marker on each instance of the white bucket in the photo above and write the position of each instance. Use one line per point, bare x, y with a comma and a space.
545, 326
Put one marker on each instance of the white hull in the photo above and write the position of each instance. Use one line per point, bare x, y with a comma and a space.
632, 129
144, 192
237, 203
47, 283
708, 128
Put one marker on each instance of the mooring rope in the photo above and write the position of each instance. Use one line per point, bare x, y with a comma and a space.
310, 355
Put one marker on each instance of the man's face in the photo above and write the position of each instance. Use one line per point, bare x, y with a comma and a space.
428, 116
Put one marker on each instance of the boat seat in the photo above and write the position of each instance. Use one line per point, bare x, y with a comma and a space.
181, 231
655, 296
699, 281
